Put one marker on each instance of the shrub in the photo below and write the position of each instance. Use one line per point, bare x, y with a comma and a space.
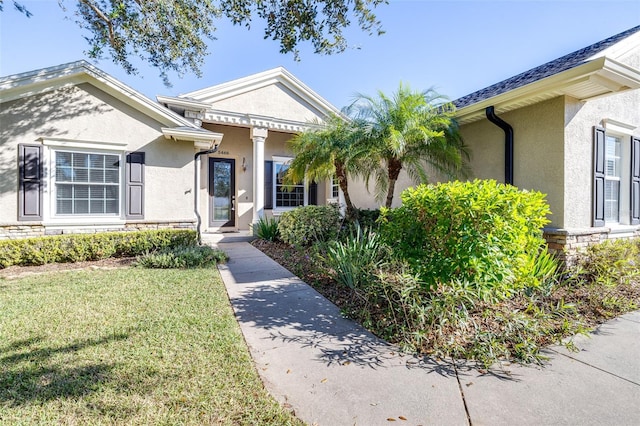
363, 218
355, 260
309, 224
182, 257
267, 229
82, 247
611, 262
480, 232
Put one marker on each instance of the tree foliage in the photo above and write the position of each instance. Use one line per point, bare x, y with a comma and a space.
409, 130
171, 34
328, 150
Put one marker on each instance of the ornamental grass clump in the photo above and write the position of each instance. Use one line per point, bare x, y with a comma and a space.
182, 257
482, 232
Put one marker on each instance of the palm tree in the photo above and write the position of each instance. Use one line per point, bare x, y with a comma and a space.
327, 150
409, 131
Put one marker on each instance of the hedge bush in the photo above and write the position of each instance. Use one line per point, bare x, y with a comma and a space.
306, 225
481, 232
82, 247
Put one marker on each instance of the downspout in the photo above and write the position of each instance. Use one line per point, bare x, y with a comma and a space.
508, 143
196, 192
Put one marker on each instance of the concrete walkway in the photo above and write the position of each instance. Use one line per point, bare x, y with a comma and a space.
330, 371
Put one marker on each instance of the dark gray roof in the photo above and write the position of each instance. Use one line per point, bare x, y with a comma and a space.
538, 73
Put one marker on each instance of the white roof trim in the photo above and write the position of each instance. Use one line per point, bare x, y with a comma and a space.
253, 82
237, 119
192, 135
599, 77
44, 80
186, 103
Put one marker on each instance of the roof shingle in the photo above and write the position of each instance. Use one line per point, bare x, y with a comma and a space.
538, 73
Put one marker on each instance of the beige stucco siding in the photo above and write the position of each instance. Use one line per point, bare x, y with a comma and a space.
581, 117
85, 114
275, 101
538, 151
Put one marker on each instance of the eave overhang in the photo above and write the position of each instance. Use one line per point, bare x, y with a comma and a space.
597, 78
201, 138
186, 103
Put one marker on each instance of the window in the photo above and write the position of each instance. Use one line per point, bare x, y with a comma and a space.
616, 174
335, 188
86, 183
290, 197
613, 176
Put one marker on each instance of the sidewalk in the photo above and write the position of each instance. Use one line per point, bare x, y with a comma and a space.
331, 371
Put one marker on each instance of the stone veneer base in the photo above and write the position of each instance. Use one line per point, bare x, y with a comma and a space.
37, 229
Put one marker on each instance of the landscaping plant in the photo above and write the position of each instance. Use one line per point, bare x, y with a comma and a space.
83, 247
480, 232
182, 257
267, 229
307, 225
356, 259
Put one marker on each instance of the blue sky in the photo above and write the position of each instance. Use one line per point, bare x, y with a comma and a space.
454, 46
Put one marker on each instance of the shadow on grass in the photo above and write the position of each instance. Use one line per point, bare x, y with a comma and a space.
32, 375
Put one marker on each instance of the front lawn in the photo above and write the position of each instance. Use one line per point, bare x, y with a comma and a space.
126, 346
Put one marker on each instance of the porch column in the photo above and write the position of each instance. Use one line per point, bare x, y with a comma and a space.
258, 135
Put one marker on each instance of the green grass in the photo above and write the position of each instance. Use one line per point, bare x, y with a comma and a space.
126, 346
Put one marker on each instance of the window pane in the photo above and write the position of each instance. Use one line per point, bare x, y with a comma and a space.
80, 175
81, 192
64, 207
111, 162
111, 206
112, 176
96, 161
88, 193
96, 206
611, 200
65, 191
80, 206
96, 176
111, 192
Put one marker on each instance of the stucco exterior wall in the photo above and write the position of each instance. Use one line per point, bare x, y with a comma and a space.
538, 151
271, 101
84, 113
580, 119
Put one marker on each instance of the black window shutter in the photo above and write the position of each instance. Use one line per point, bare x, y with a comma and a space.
268, 184
313, 194
30, 182
134, 175
635, 181
598, 175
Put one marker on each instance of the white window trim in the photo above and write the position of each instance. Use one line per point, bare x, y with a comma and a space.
617, 127
50, 219
284, 160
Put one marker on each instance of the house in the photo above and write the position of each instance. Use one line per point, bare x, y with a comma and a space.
82, 152
571, 129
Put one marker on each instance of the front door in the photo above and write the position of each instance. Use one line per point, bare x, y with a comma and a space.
222, 192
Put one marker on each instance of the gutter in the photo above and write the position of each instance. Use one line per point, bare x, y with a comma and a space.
508, 143
196, 192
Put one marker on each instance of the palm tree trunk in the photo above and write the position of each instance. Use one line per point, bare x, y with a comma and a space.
344, 187
393, 166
